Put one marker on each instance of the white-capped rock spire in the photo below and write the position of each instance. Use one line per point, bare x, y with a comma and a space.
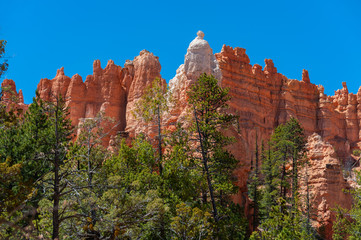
198, 60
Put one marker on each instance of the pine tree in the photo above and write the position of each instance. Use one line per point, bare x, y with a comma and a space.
86, 156
132, 198
355, 212
151, 107
209, 103
280, 204
341, 226
60, 135
4, 65
37, 143
182, 181
287, 146
254, 184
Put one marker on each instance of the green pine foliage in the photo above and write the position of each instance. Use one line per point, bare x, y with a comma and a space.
174, 187
280, 215
4, 65
132, 200
348, 222
191, 223
151, 107
209, 106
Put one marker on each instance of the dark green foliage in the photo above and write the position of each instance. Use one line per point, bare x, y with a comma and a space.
286, 149
151, 107
280, 214
191, 223
132, 199
209, 106
356, 152
348, 222
180, 189
4, 65
182, 178
254, 184
37, 143
341, 226
282, 224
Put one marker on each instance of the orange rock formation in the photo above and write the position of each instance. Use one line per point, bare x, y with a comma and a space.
112, 90
11, 98
263, 98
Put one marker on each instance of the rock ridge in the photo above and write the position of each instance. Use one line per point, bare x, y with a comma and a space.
263, 98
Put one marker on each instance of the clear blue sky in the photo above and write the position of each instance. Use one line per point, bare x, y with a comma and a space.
323, 37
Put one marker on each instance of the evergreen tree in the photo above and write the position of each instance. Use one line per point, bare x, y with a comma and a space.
348, 222
60, 135
36, 143
280, 204
151, 107
283, 225
191, 223
341, 226
286, 151
253, 185
132, 201
182, 181
86, 157
270, 173
54, 146
209, 102
4, 65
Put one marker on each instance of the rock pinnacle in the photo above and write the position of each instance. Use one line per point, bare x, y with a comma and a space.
200, 34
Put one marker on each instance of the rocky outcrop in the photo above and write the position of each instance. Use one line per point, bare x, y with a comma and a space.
325, 183
112, 90
199, 59
265, 98
262, 97
12, 99
146, 69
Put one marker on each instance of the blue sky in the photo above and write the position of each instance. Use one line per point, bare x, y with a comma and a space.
323, 37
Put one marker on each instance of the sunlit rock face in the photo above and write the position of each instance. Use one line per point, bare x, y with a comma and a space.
146, 69
198, 60
12, 99
262, 97
112, 90
326, 183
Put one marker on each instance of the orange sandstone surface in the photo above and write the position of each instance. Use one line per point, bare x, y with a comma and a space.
263, 98
112, 90
11, 98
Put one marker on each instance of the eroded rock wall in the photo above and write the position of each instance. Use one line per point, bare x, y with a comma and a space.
112, 90
11, 98
263, 98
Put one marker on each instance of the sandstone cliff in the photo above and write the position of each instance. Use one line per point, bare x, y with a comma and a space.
263, 98
11, 98
112, 90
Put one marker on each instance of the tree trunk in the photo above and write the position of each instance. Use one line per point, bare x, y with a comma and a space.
255, 200
56, 197
205, 165
159, 144
283, 176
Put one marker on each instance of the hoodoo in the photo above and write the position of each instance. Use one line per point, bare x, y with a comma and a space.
262, 98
